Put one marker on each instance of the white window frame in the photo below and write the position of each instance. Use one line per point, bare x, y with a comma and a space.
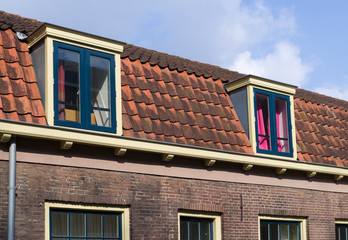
216, 218
302, 221
124, 211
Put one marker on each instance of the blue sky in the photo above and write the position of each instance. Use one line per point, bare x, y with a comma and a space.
303, 43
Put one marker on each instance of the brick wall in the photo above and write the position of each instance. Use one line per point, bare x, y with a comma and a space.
154, 201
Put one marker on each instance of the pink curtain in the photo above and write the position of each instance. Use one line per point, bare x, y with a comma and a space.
263, 123
61, 89
282, 126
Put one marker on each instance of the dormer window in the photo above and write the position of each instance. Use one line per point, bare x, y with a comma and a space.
84, 88
272, 113
265, 109
79, 77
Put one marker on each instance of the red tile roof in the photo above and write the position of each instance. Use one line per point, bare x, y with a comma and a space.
18, 23
172, 106
321, 124
168, 98
19, 94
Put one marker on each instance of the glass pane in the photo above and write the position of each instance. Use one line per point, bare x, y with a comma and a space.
263, 121
264, 231
59, 224
284, 231
94, 225
282, 125
110, 225
343, 233
60, 239
68, 85
100, 91
184, 233
294, 232
77, 224
205, 230
194, 230
273, 231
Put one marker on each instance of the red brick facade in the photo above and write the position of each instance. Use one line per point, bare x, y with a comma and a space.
154, 201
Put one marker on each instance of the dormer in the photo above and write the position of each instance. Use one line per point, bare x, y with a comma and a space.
266, 111
79, 78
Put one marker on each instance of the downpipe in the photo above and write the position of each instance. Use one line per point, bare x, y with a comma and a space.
12, 189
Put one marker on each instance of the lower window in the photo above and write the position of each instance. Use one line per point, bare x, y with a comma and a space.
278, 228
69, 221
196, 228
84, 225
341, 231
199, 226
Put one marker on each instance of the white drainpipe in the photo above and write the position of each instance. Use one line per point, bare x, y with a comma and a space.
12, 189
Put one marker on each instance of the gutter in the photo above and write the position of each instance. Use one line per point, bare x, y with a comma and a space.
66, 137
12, 189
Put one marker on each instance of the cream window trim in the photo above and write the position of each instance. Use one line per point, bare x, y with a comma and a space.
217, 232
341, 221
125, 215
302, 221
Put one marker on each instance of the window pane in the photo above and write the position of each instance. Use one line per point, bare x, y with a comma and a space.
343, 233
68, 85
264, 231
294, 232
184, 233
273, 231
100, 91
263, 121
59, 224
110, 225
205, 230
282, 125
77, 224
94, 225
284, 231
194, 230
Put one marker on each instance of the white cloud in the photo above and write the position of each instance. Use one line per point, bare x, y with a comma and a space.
283, 64
336, 92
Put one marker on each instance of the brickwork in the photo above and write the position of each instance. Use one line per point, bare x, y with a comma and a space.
154, 201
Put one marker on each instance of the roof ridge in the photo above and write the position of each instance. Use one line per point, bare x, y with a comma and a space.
315, 97
18, 23
180, 64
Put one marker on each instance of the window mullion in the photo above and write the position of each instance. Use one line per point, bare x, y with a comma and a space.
273, 123
84, 88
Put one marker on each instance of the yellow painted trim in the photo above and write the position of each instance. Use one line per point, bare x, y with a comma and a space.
341, 221
74, 36
302, 221
118, 103
260, 82
252, 119
51, 33
49, 85
111, 140
123, 210
217, 233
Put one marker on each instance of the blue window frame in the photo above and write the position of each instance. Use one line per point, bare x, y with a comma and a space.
196, 228
279, 230
341, 231
273, 123
84, 87
66, 224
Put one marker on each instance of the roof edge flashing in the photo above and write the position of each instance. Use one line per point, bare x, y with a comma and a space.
261, 82
59, 32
